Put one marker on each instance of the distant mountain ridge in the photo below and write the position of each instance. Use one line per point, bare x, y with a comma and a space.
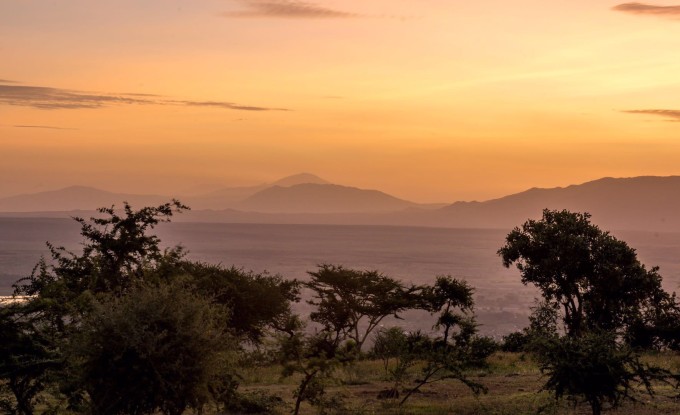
649, 203
300, 193
321, 198
74, 198
645, 202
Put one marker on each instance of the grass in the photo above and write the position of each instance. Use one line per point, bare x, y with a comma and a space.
513, 380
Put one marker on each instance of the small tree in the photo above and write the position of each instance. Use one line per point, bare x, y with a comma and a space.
353, 303
314, 356
448, 356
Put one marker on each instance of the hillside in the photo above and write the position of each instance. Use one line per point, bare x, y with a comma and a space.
74, 198
643, 203
321, 198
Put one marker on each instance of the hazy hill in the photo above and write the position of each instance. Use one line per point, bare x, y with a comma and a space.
649, 203
228, 196
639, 203
74, 198
321, 198
302, 178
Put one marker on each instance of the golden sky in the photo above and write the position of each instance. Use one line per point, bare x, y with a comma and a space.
429, 100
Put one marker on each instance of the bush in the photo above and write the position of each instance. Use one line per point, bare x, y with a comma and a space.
515, 342
155, 349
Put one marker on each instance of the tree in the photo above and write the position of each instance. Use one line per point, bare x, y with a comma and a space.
605, 296
117, 252
154, 349
314, 356
352, 303
594, 278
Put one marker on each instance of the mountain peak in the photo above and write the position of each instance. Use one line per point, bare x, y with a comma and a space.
301, 178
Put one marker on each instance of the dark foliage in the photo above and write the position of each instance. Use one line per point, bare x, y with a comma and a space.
458, 348
597, 369
595, 279
155, 349
27, 358
259, 302
352, 303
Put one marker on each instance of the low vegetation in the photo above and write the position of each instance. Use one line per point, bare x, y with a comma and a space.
125, 327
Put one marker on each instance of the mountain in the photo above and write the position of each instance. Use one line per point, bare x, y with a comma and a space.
639, 203
75, 198
228, 196
636, 203
321, 198
302, 178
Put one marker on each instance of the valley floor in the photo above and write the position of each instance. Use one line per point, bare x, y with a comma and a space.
514, 388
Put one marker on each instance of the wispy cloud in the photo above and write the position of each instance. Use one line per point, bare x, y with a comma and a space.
641, 8
670, 115
225, 105
56, 98
7, 81
290, 9
46, 127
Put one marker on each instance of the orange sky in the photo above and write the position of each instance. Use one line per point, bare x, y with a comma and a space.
429, 100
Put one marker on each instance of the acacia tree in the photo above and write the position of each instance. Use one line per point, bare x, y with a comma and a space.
594, 278
117, 252
352, 303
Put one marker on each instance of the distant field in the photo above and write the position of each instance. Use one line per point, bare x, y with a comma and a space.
412, 254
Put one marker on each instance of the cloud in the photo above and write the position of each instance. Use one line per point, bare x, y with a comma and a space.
641, 8
55, 98
226, 105
47, 127
7, 81
670, 115
290, 9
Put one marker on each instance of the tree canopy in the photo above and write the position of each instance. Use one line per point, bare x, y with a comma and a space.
595, 279
352, 303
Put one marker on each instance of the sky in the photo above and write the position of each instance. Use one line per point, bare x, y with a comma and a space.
428, 100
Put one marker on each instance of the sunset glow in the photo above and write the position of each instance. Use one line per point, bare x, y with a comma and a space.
428, 100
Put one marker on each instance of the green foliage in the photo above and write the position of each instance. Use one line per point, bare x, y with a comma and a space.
594, 278
595, 368
154, 349
352, 303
